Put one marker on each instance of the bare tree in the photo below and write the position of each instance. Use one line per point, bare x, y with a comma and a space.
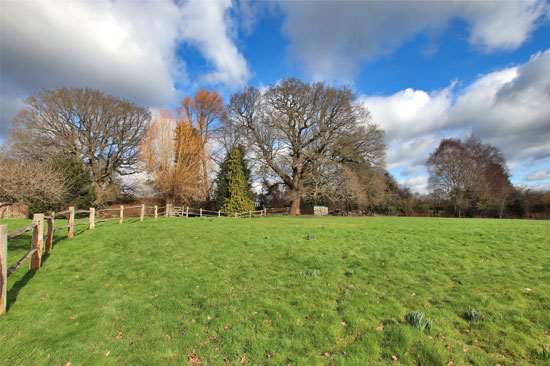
295, 127
450, 171
101, 130
472, 174
170, 155
25, 181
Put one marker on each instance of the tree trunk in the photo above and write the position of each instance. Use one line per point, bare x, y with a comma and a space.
295, 205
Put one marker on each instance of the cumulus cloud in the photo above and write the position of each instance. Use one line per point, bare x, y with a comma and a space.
331, 39
115, 46
207, 27
508, 108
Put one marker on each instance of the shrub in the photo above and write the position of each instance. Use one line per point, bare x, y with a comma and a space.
418, 320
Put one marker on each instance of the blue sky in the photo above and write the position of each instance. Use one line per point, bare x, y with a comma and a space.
425, 70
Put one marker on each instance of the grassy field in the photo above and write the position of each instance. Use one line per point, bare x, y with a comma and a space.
283, 291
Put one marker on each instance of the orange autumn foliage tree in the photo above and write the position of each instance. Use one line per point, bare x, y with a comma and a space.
170, 155
202, 111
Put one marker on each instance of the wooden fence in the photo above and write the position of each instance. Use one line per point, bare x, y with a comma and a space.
40, 242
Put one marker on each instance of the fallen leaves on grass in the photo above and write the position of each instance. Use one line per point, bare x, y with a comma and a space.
193, 359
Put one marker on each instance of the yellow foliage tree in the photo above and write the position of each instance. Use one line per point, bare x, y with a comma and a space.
170, 154
202, 111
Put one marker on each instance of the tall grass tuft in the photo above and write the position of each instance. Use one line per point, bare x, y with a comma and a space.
418, 320
474, 315
544, 352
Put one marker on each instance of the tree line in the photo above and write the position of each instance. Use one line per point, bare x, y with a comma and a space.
292, 144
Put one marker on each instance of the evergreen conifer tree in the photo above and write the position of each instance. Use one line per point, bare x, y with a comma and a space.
235, 188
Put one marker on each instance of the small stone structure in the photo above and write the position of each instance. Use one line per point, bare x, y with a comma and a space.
320, 210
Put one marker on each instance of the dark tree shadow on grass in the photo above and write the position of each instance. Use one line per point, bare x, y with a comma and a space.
17, 286
24, 241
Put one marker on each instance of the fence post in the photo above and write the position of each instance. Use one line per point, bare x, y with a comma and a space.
121, 220
142, 213
261, 213
92, 218
219, 213
249, 214
187, 211
235, 215
38, 239
265, 211
49, 236
167, 210
71, 222
3, 267
156, 212
200, 212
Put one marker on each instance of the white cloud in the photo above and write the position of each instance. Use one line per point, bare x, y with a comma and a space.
120, 47
507, 108
543, 174
411, 113
416, 184
332, 39
207, 27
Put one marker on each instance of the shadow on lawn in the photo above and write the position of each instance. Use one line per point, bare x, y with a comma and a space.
21, 242
17, 286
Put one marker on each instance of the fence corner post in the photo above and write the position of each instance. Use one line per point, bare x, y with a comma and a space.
49, 235
156, 212
3, 267
38, 240
92, 218
121, 219
142, 212
71, 222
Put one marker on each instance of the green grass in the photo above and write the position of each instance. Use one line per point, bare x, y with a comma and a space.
280, 291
